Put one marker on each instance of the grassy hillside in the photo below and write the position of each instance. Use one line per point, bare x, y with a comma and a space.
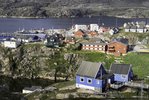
140, 63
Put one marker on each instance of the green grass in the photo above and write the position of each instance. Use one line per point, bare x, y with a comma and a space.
140, 63
96, 57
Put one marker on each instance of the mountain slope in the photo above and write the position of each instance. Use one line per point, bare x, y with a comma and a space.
68, 8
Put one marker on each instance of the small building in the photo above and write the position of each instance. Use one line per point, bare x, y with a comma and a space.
92, 34
94, 27
53, 41
31, 89
118, 47
122, 72
141, 29
94, 46
103, 29
113, 31
79, 34
127, 28
91, 75
70, 40
11, 44
133, 29
80, 27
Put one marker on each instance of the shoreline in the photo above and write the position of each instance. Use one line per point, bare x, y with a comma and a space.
71, 17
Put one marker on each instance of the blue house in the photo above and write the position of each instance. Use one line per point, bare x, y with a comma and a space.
91, 75
122, 72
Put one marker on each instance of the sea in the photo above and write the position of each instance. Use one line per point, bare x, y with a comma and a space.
10, 25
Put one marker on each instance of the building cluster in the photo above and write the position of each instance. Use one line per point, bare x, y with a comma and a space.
139, 27
92, 30
117, 46
13, 40
93, 76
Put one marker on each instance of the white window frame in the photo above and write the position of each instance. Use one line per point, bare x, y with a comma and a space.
81, 79
90, 80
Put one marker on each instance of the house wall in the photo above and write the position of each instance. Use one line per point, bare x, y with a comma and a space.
78, 34
94, 27
101, 70
118, 48
96, 84
140, 30
127, 30
133, 30
120, 78
82, 27
11, 44
130, 75
93, 47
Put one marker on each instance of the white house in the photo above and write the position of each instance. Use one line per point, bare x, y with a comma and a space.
127, 28
82, 27
94, 27
11, 44
113, 31
133, 29
31, 89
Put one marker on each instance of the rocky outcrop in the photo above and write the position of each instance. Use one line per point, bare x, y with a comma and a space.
74, 8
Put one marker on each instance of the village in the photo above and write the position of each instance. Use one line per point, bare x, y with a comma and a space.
92, 76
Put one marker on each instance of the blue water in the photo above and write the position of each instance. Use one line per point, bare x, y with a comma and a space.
15, 24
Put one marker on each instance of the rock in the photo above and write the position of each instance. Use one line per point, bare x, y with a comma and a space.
62, 96
75, 8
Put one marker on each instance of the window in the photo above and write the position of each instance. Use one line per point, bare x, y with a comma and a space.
98, 81
89, 81
81, 79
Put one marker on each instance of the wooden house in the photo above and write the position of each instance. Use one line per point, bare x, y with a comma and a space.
92, 34
79, 34
118, 47
122, 72
91, 75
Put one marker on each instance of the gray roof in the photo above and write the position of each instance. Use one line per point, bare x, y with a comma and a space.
120, 68
93, 43
122, 40
133, 27
88, 69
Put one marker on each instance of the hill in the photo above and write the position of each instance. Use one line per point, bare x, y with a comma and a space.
69, 8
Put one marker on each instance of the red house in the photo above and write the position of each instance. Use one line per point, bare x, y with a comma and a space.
117, 48
79, 34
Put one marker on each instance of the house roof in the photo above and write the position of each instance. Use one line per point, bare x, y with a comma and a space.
120, 68
106, 76
123, 40
133, 27
88, 69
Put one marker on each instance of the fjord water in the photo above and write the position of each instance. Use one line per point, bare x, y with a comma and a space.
15, 24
